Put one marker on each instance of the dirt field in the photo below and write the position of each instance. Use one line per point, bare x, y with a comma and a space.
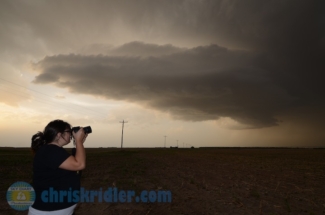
202, 181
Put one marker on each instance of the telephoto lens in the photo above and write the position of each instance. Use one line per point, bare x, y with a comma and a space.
87, 129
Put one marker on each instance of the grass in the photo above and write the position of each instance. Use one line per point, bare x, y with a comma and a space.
287, 204
202, 181
254, 193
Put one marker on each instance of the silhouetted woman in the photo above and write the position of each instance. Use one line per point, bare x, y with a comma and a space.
54, 169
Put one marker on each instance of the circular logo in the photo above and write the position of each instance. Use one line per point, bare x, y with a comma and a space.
20, 195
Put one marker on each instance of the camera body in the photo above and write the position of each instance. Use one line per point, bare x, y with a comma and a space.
87, 129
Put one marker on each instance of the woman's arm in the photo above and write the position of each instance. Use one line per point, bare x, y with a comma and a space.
77, 162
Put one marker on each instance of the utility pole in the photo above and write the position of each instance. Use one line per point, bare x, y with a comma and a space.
165, 141
122, 132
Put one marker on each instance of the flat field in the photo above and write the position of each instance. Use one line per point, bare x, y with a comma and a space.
201, 181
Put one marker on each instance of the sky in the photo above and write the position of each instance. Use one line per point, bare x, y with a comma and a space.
223, 73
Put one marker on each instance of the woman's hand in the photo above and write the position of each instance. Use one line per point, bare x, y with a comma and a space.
80, 136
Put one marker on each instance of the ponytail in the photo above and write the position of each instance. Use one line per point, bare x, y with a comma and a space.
48, 135
37, 141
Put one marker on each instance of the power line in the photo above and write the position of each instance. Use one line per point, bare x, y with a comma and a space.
46, 94
43, 94
45, 102
22, 86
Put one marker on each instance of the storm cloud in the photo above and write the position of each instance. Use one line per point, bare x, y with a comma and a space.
202, 83
249, 60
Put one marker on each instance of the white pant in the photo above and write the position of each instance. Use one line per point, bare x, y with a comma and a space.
66, 211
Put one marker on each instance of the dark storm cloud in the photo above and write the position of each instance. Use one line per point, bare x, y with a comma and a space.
285, 26
203, 83
280, 70
250, 24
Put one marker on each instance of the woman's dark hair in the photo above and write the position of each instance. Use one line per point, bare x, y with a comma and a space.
48, 135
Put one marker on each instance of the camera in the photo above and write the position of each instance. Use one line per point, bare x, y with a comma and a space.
87, 129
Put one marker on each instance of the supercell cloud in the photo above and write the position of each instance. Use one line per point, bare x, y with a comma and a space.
202, 83
264, 59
